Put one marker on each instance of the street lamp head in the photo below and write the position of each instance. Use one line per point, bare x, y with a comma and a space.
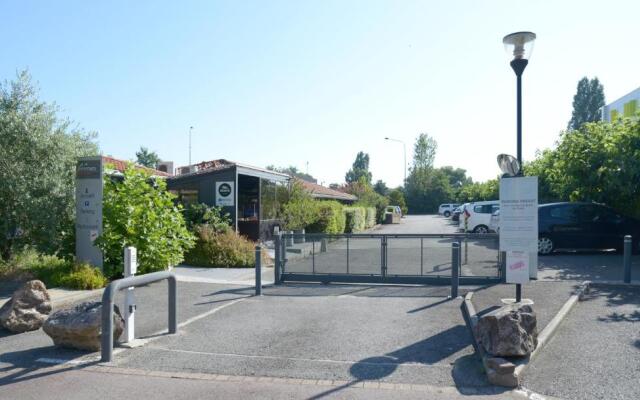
519, 44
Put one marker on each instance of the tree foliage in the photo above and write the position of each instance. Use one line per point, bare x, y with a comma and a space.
598, 162
38, 153
381, 188
360, 169
294, 172
424, 152
140, 212
588, 100
396, 198
147, 158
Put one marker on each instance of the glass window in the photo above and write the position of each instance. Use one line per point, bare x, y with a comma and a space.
563, 212
268, 202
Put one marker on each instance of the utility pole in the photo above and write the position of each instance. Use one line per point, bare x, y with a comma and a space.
190, 129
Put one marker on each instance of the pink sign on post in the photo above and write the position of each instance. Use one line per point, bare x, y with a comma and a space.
517, 267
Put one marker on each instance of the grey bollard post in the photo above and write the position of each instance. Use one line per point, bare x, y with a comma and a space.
627, 258
258, 271
278, 262
455, 269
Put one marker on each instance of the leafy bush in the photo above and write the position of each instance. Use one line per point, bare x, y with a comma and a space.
203, 214
53, 271
370, 219
300, 210
329, 218
355, 219
140, 212
221, 249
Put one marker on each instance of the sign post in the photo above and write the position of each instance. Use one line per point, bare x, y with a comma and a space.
89, 171
519, 228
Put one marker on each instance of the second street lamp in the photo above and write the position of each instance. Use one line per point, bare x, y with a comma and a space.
404, 148
520, 45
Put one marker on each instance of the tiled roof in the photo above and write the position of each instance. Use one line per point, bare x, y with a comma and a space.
322, 192
121, 165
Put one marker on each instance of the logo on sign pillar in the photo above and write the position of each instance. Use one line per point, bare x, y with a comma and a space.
224, 190
225, 194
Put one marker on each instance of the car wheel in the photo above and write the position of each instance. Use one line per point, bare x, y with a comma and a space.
480, 229
447, 214
545, 245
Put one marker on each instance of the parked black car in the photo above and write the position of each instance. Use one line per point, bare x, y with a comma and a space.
584, 226
455, 215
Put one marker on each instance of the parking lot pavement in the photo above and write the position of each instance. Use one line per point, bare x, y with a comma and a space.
586, 265
385, 333
595, 353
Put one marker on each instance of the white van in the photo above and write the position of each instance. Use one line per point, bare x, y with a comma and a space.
476, 217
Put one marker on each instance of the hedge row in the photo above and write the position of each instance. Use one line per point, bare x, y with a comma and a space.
329, 218
355, 218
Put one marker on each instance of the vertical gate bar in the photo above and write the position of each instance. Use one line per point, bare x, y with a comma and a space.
283, 255
313, 257
385, 260
460, 256
347, 254
421, 256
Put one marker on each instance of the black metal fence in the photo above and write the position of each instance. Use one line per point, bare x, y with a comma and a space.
387, 258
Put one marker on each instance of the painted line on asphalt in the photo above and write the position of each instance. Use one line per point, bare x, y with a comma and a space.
277, 358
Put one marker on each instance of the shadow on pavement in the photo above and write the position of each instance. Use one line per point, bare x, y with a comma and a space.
428, 351
26, 364
616, 296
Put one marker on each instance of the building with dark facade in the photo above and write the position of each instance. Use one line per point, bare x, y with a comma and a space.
250, 195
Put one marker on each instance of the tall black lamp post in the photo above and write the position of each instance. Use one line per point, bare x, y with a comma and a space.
520, 45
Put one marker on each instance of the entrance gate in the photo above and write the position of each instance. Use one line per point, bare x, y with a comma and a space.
387, 258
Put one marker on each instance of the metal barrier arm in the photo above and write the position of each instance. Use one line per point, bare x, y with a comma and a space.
109, 294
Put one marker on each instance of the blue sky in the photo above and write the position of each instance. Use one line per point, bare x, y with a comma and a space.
291, 82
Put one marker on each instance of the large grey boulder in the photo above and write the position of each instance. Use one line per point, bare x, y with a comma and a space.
27, 309
510, 330
79, 327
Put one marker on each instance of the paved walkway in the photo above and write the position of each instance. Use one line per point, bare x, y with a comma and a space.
596, 351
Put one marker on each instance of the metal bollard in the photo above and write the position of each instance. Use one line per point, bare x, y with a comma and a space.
455, 269
258, 271
627, 258
278, 262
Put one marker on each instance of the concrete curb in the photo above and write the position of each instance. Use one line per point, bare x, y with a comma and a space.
515, 377
552, 327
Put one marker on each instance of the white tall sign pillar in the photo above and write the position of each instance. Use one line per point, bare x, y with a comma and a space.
519, 227
130, 269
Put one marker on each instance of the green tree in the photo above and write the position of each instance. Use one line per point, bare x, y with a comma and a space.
381, 188
147, 158
424, 152
396, 198
587, 102
38, 153
138, 211
360, 169
426, 187
457, 176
